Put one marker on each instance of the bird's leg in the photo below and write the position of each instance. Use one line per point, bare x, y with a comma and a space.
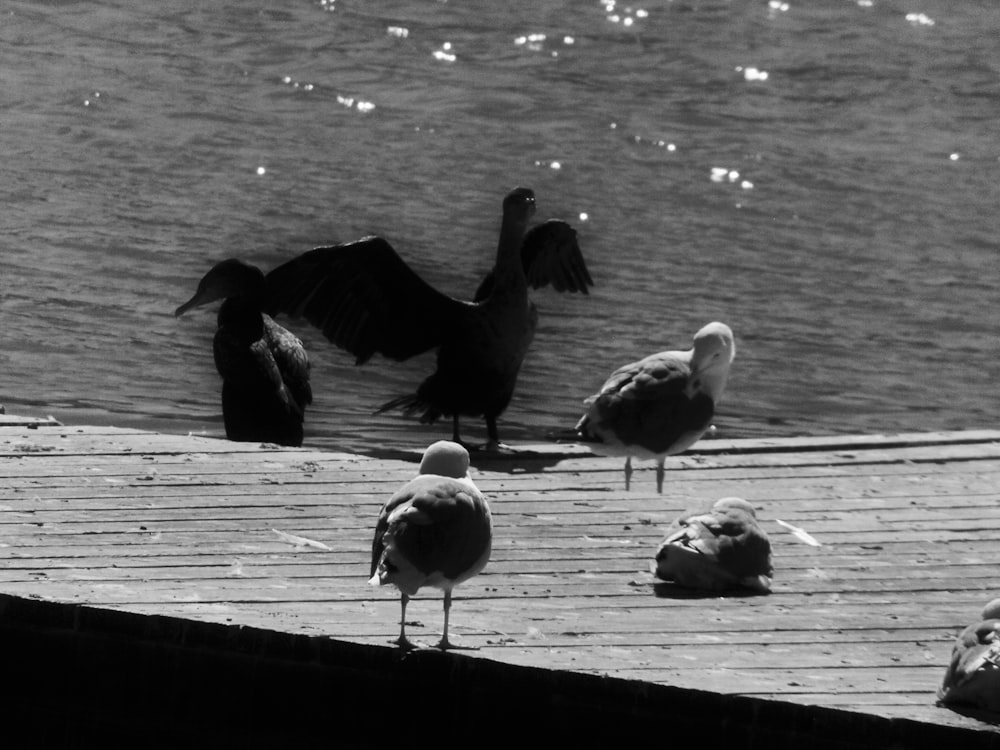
659, 475
444, 644
403, 642
628, 472
493, 443
456, 438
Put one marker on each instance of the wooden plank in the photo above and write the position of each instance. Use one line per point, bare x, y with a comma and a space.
185, 526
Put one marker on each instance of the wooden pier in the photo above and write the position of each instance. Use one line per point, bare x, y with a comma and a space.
125, 554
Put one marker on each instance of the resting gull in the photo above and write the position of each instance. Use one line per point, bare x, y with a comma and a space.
716, 549
973, 676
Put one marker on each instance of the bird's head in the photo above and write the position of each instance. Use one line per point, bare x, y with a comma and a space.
520, 202
229, 278
992, 610
714, 350
445, 459
734, 503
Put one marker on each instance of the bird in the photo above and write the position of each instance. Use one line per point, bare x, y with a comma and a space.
264, 368
717, 548
973, 676
659, 405
365, 299
435, 531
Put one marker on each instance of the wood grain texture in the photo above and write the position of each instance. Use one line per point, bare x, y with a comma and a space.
279, 538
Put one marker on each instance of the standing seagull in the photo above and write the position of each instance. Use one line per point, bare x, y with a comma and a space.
660, 405
264, 368
435, 531
717, 548
367, 300
973, 676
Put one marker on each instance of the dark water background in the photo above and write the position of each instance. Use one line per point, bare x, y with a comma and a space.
854, 255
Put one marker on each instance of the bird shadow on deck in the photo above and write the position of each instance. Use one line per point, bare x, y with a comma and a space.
519, 461
534, 459
669, 590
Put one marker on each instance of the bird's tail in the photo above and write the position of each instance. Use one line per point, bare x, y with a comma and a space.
411, 405
584, 433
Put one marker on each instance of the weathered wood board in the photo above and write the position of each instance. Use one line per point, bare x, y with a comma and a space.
280, 538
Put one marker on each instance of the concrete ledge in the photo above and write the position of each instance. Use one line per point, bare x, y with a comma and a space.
83, 676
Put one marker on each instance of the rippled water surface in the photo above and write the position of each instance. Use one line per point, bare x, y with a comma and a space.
823, 176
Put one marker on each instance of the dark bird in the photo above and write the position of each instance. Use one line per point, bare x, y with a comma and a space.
717, 548
365, 299
660, 405
435, 531
264, 368
973, 676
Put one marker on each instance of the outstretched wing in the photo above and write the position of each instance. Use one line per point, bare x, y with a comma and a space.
364, 298
550, 254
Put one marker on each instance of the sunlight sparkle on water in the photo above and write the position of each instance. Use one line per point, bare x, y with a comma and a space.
752, 74
289, 81
536, 42
445, 54
721, 174
919, 19
626, 16
351, 102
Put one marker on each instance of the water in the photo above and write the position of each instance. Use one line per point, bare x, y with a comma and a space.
854, 255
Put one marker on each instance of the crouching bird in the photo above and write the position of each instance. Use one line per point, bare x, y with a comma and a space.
435, 531
660, 405
264, 368
973, 676
366, 299
717, 549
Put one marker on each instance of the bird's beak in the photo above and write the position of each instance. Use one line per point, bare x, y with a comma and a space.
193, 302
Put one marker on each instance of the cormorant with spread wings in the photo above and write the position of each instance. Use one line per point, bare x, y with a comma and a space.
365, 299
